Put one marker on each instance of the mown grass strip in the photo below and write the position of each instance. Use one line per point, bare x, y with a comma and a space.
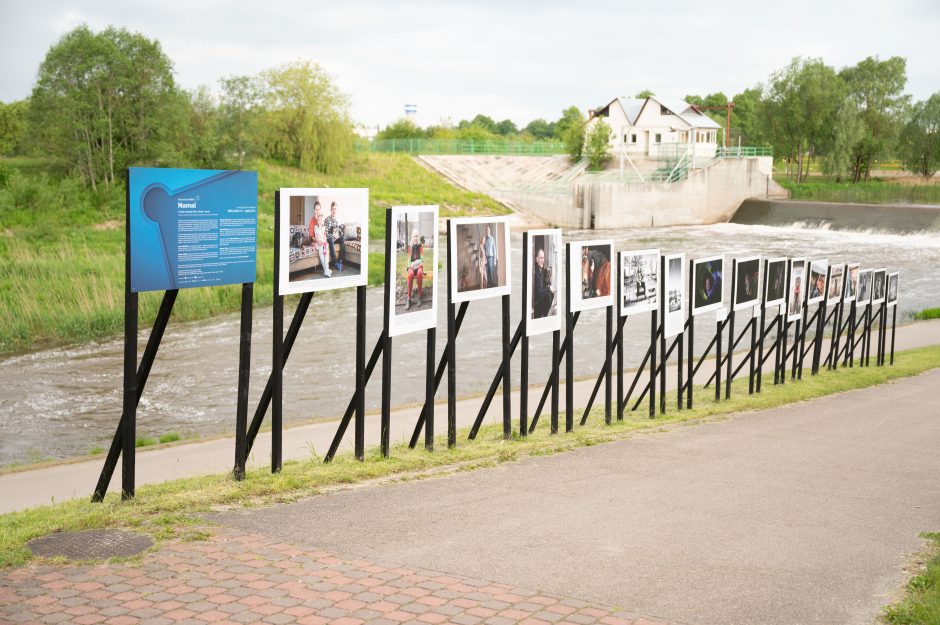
921, 606
163, 510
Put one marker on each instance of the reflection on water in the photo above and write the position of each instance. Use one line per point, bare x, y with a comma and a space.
64, 402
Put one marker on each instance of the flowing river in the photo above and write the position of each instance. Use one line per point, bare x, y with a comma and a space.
64, 402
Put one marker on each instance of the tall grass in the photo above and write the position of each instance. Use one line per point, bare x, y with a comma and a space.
62, 246
870, 192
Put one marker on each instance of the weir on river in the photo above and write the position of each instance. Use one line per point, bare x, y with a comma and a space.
63, 402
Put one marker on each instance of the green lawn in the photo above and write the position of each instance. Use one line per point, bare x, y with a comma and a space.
875, 191
921, 606
62, 246
170, 508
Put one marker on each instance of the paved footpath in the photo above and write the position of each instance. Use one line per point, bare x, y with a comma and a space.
802, 514
29, 488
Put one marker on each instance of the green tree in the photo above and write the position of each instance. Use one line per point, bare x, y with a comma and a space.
876, 88
482, 121
799, 110
642, 95
571, 116
540, 129
475, 132
506, 127
306, 117
919, 146
403, 128
597, 145
12, 125
203, 139
839, 148
745, 117
103, 101
239, 112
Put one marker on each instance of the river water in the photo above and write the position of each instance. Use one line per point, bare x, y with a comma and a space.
63, 402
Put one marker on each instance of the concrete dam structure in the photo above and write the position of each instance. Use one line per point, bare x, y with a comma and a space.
549, 190
891, 218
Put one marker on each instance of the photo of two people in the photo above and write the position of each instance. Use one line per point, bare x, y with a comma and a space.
480, 249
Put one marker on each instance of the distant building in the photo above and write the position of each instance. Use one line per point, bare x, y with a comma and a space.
654, 126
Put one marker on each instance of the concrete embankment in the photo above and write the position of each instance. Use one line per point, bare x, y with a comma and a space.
895, 218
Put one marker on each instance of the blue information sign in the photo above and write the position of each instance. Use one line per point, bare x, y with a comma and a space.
192, 227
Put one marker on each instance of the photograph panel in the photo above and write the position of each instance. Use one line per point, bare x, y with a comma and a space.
834, 290
776, 279
590, 271
674, 304
708, 284
639, 281
480, 258
816, 285
796, 289
543, 281
747, 282
323, 239
414, 271
850, 288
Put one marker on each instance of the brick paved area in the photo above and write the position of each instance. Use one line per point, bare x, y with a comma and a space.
237, 578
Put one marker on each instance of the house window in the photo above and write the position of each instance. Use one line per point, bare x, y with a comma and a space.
664, 111
659, 138
633, 138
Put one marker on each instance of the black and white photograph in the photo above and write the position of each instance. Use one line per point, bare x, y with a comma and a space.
589, 267
674, 302
851, 282
747, 283
796, 290
864, 287
639, 282
708, 282
878, 286
834, 289
324, 239
892, 289
480, 258
776, 280
414, 269
816, 287
543, 280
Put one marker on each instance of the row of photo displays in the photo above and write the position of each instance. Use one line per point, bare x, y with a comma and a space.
324, 245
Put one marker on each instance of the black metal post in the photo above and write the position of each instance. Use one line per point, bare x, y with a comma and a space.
524, 357
452, 344
129, 403
507, 365
894, 322
360, 424
244, 375
608, 366
753, 353
691, 338
720, 325
654, 334
277, 350
429, 388
569, 341
556, 340
386, 415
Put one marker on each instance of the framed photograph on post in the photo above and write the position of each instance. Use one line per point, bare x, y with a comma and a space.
776, 282
864, 287
816, 286
892, 288
796, 289
639, 284
324, 239
709, 281
543, 281
414, 270
878, 286
480, 258
747, 283
590, 270
851, 282
674, 302
835, 287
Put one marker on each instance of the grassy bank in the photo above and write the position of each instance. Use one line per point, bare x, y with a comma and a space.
167, 509
870, 192
62, 246
927, 313
921, 606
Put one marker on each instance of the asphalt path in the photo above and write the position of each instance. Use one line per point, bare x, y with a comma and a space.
806, 513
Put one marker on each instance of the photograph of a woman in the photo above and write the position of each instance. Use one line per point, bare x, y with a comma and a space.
413, 270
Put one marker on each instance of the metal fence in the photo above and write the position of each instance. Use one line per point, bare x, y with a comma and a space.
462, 146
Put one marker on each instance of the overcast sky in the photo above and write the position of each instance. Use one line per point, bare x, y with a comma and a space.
509, 59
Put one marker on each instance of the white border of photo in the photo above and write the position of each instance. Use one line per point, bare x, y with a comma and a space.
478, 294
579, 304
421, 319
552, 323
